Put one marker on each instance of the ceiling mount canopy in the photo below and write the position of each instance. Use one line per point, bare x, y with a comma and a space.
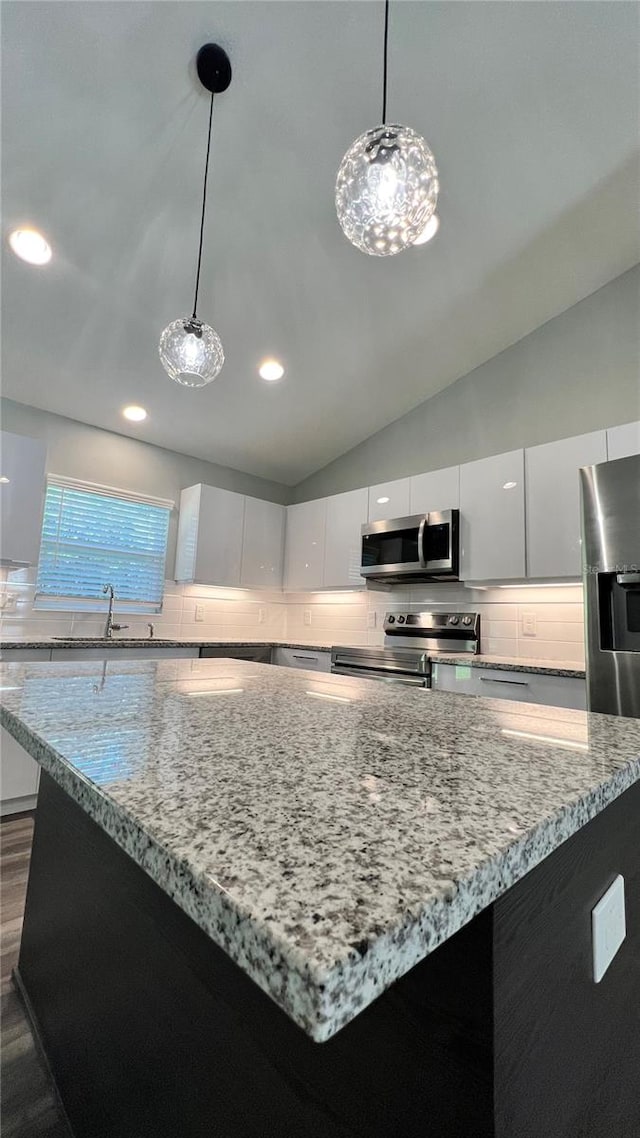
190, 351
387, 183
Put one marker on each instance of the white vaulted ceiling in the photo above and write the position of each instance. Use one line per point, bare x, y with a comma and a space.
532, 112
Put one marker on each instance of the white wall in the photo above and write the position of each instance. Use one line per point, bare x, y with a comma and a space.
79, 451
577, 373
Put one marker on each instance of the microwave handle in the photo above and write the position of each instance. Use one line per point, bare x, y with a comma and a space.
421, 550
628, 580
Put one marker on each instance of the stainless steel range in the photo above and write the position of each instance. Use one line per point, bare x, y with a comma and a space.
411, 640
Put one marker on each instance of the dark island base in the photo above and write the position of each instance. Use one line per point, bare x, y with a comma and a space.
151, 1030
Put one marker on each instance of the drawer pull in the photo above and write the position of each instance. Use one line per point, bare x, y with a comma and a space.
493, 680
313, 659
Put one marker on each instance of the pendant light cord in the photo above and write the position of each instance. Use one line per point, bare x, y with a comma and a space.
204, 206
384, 69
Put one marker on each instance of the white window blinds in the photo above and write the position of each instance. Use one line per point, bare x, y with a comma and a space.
92, 535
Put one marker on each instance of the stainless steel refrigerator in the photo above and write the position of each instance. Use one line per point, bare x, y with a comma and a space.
611, 574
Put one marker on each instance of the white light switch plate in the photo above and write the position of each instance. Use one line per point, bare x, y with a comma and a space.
199, 612
371, 618
608, 927
528, 624
307, 616
262, 616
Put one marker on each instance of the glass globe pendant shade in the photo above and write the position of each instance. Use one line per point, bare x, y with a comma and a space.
191, 352
386, 190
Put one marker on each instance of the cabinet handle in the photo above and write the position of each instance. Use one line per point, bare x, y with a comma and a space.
312, 658
493, 680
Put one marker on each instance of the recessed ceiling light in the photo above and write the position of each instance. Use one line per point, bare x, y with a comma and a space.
509, 485
381, 501
134, 413
3, 478
429, 231
30, 246
271, 370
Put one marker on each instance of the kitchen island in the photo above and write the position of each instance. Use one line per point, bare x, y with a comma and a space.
274, 903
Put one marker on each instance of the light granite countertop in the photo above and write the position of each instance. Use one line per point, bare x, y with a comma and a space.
505, 663
327, 832
150, 642
515, 664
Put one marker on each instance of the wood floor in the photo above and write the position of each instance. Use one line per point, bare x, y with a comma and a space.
28, 1107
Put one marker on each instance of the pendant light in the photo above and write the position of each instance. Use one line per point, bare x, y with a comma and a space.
387, 184
191, 351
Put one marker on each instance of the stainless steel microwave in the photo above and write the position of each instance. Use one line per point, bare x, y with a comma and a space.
424, 547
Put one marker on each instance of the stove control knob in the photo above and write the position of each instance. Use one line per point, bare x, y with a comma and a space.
392, 620
453, 620
467, 620
400, 620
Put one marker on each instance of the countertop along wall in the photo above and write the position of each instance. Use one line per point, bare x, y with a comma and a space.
90, 453
578, 372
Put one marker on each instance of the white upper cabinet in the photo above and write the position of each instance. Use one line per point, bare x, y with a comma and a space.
437, 490
390, 500
22, 462
623, 441
345, 516
553, 503
305, 534
263, 544
209, 547
492, 518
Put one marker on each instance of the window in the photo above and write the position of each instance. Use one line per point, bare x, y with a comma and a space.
92, 535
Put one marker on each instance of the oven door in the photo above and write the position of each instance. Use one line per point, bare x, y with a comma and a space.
393, 548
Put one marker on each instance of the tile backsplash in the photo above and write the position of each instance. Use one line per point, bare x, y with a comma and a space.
528, 621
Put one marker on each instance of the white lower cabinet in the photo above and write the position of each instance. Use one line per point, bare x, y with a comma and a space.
311, 660
115, 654
529, 687
553, 503
492, 518
19, 776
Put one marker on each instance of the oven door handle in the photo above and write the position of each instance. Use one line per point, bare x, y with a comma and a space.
390, 677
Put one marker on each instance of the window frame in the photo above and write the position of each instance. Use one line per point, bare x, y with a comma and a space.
72, 603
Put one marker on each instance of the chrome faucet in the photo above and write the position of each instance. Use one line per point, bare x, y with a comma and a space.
110, 626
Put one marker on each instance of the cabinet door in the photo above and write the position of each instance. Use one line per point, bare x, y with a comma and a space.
492, 518
219, 544
113, 655
304, 545
20, 774
553, 503
312, 661
389, 500
262, 544
437, 490
623, 441
187, 541
346, 514
22, 462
